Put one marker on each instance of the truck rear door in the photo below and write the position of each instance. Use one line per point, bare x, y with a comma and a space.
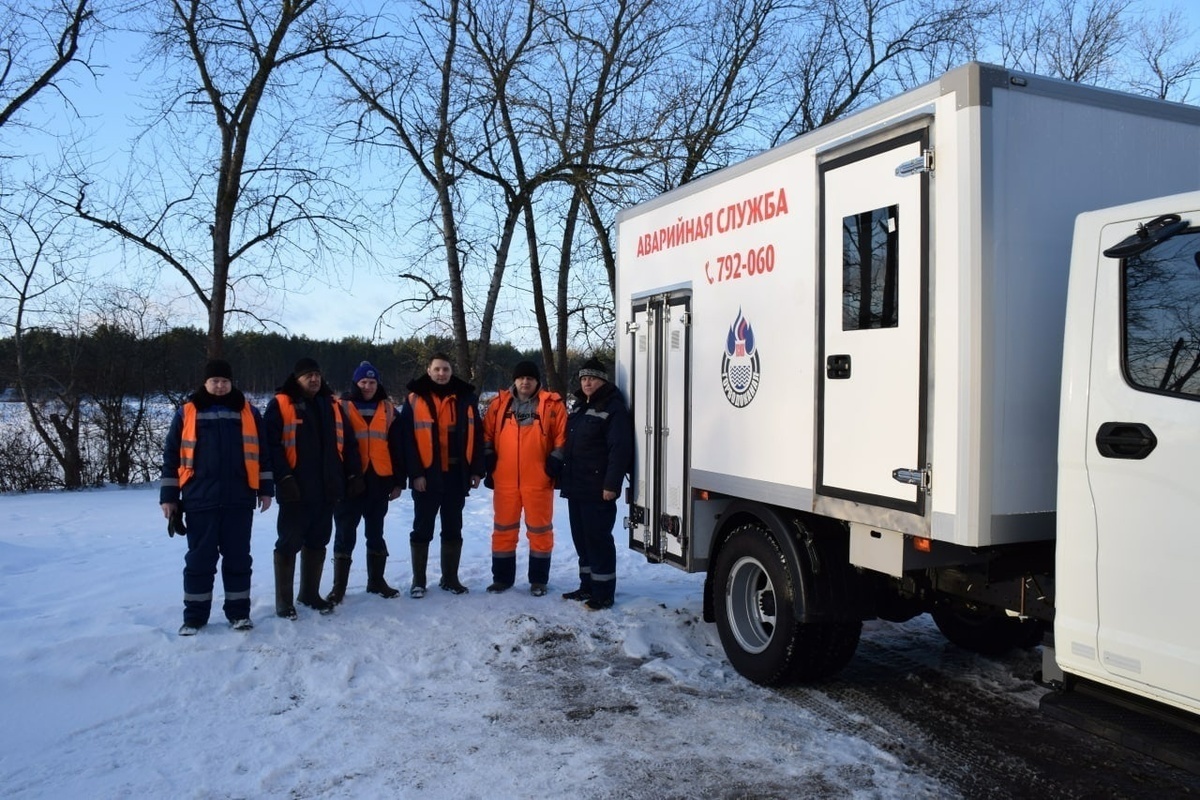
1143, 462
872, 398
660, 361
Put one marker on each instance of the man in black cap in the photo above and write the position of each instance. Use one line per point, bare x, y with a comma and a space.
599, 453
524, 432
316, 465
216, 467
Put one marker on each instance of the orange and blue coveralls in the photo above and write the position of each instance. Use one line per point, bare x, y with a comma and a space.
522, 435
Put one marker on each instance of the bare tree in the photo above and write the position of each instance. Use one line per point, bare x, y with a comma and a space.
411, 99
587, 103
1075, 40
38, 41
37, 269
255, 192
1161, 47
849, 52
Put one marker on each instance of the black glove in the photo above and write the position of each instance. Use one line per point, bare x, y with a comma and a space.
356, 486
175, 523
488, 482
489, 462
554, 466
287, 490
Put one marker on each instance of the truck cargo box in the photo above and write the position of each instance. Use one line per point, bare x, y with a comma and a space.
867, 322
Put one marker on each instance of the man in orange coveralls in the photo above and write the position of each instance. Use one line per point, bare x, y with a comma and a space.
524, 432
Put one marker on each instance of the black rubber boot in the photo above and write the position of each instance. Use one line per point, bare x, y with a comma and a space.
451, 553
312, 564
376, 564
341, 576
420, 556
285, 581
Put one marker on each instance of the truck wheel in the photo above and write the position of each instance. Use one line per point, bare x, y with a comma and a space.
754, 604
987, 632
756, 615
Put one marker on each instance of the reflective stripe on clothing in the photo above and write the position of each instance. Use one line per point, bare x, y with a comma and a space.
187, 443
291, 422
439, 412
372, 434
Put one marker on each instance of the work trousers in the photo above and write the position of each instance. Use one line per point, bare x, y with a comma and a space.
303, 524
508, 504
219, 533
446, 503
346, 516
592, 532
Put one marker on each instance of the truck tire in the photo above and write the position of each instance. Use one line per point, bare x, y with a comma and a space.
755, 607
985, 631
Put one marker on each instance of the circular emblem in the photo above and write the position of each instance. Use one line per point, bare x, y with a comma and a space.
739, 364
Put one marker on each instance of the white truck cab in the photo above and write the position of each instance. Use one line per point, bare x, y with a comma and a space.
1129, 452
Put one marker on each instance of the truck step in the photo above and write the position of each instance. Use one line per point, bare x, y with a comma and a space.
1150, 728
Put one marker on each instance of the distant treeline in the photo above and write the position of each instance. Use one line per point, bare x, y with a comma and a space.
100, 401
114, 361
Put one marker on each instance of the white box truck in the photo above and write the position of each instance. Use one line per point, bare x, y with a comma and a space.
892, 368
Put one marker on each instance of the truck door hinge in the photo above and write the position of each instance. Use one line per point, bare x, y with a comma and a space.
921, 478
915, 166
631, 327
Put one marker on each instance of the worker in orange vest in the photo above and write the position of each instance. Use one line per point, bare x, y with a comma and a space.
524, 432
216, 470
371, 415
443, 452
316, 464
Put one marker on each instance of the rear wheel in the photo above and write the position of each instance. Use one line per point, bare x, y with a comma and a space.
756, 615
988, 632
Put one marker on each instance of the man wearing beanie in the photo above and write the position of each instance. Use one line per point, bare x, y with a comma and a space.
443, 453
316, 464
598, 455
216, 468
371, 415
524, 432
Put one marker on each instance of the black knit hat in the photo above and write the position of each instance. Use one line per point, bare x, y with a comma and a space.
527, 369
218, 368
594, 368
304, 366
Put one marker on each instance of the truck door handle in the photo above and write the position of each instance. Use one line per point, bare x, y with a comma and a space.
1129, 440
837, 368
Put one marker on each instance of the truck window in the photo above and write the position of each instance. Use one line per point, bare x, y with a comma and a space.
869, 264
1161, 317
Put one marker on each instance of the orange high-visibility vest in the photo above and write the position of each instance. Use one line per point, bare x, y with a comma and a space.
187, 445
424, 423
291, 422
373, 436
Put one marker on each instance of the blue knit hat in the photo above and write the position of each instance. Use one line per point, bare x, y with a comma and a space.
365, 370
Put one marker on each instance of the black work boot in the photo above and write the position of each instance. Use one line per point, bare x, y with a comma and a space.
376, 564
451, 553
341, 576
312, 564
420, 556
285, 581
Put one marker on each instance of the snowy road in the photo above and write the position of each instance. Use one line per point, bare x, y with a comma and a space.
478, 696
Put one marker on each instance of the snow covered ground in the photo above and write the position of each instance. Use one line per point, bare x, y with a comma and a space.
473, 696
